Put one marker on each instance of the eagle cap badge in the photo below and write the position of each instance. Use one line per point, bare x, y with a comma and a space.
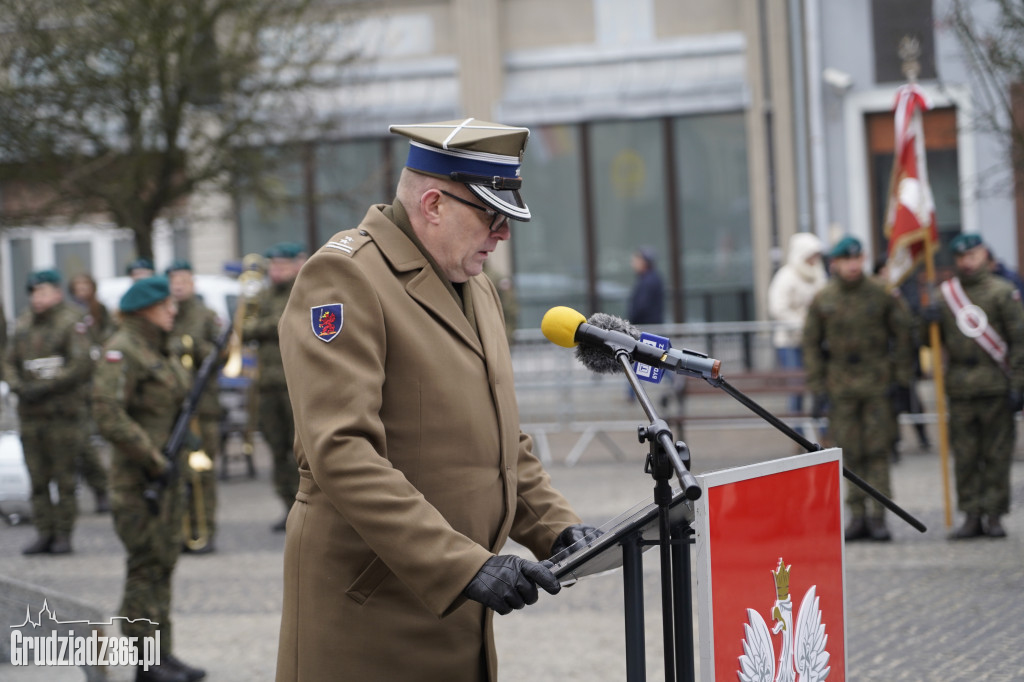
327, 320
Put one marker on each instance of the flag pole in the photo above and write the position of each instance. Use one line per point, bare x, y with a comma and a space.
939, 380
909, 51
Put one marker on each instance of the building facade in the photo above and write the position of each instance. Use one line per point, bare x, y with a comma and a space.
707, 132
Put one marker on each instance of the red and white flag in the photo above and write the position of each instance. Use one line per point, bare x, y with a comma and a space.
910, 216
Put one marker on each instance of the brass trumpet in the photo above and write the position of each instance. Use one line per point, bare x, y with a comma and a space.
251, 283
196, 532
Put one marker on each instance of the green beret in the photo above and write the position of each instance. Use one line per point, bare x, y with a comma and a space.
848, 247
139, 264
962, 243
43, 277
144, 293
178, 264
285, 250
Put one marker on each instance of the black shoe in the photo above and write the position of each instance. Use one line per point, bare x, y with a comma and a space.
971, 528
160, 673
280, 526
40, 546
878, 531
994, 528
191, 674
102, 502
856, 529
61, 544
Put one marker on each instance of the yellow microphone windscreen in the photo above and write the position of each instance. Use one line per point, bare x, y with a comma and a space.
560, 324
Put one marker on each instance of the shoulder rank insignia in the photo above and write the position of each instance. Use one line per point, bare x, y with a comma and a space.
327, 320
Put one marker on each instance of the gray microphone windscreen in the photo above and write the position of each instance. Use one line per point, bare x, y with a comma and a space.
600, 359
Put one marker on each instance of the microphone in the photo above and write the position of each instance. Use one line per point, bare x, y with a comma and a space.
594, 339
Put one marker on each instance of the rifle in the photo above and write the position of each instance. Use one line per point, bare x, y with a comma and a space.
180, 430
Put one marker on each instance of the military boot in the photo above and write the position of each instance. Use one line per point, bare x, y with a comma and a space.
160, 673
878, 531
971, 528
994, 528
191, 674
40, 546
856, 529
102, 502
61, 544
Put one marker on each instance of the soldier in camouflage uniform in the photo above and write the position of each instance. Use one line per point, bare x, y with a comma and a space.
48, 366
196, 329
139, 387
984, 392
100, 326
858, 357
275, 410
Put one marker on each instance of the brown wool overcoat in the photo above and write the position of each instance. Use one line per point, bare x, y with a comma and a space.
413, 468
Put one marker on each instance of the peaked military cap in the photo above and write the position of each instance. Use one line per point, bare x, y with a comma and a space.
144, 293
48, 276
139, 264
485, 156
178, 264
962, 243
848, 247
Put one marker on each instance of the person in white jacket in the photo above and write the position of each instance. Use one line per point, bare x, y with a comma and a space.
789, 296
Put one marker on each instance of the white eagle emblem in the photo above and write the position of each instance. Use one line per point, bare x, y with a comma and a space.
803, 656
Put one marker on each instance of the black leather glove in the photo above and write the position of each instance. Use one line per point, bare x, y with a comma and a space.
819, 406
507, 582
1016, 400
899, 396
573, 534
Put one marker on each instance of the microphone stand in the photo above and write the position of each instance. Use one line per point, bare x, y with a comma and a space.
720, 382
666, 457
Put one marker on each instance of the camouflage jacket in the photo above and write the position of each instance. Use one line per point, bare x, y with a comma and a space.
856, 340
48, 363
196, 328
263, 329
970, 370
137, 391
100, 326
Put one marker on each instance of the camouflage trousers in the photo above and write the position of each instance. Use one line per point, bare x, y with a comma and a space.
50, 447
153, 542
864, 428
982, 434
278, 430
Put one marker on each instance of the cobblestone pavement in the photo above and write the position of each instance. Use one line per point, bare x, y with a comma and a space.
918, 609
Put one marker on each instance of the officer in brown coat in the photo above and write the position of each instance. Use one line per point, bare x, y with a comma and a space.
413, 469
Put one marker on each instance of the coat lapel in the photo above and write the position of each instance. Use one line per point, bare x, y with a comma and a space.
424, 287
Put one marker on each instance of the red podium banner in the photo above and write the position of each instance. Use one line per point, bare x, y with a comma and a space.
770, 571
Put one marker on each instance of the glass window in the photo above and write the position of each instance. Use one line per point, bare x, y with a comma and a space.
278, 213
398, 151
548, 251
627, 162
713, 195
73, 258
124, 252
350, 176
21, 268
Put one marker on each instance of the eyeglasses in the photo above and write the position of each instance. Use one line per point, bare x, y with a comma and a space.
498, 220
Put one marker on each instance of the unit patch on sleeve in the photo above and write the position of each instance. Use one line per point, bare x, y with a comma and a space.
327, 320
